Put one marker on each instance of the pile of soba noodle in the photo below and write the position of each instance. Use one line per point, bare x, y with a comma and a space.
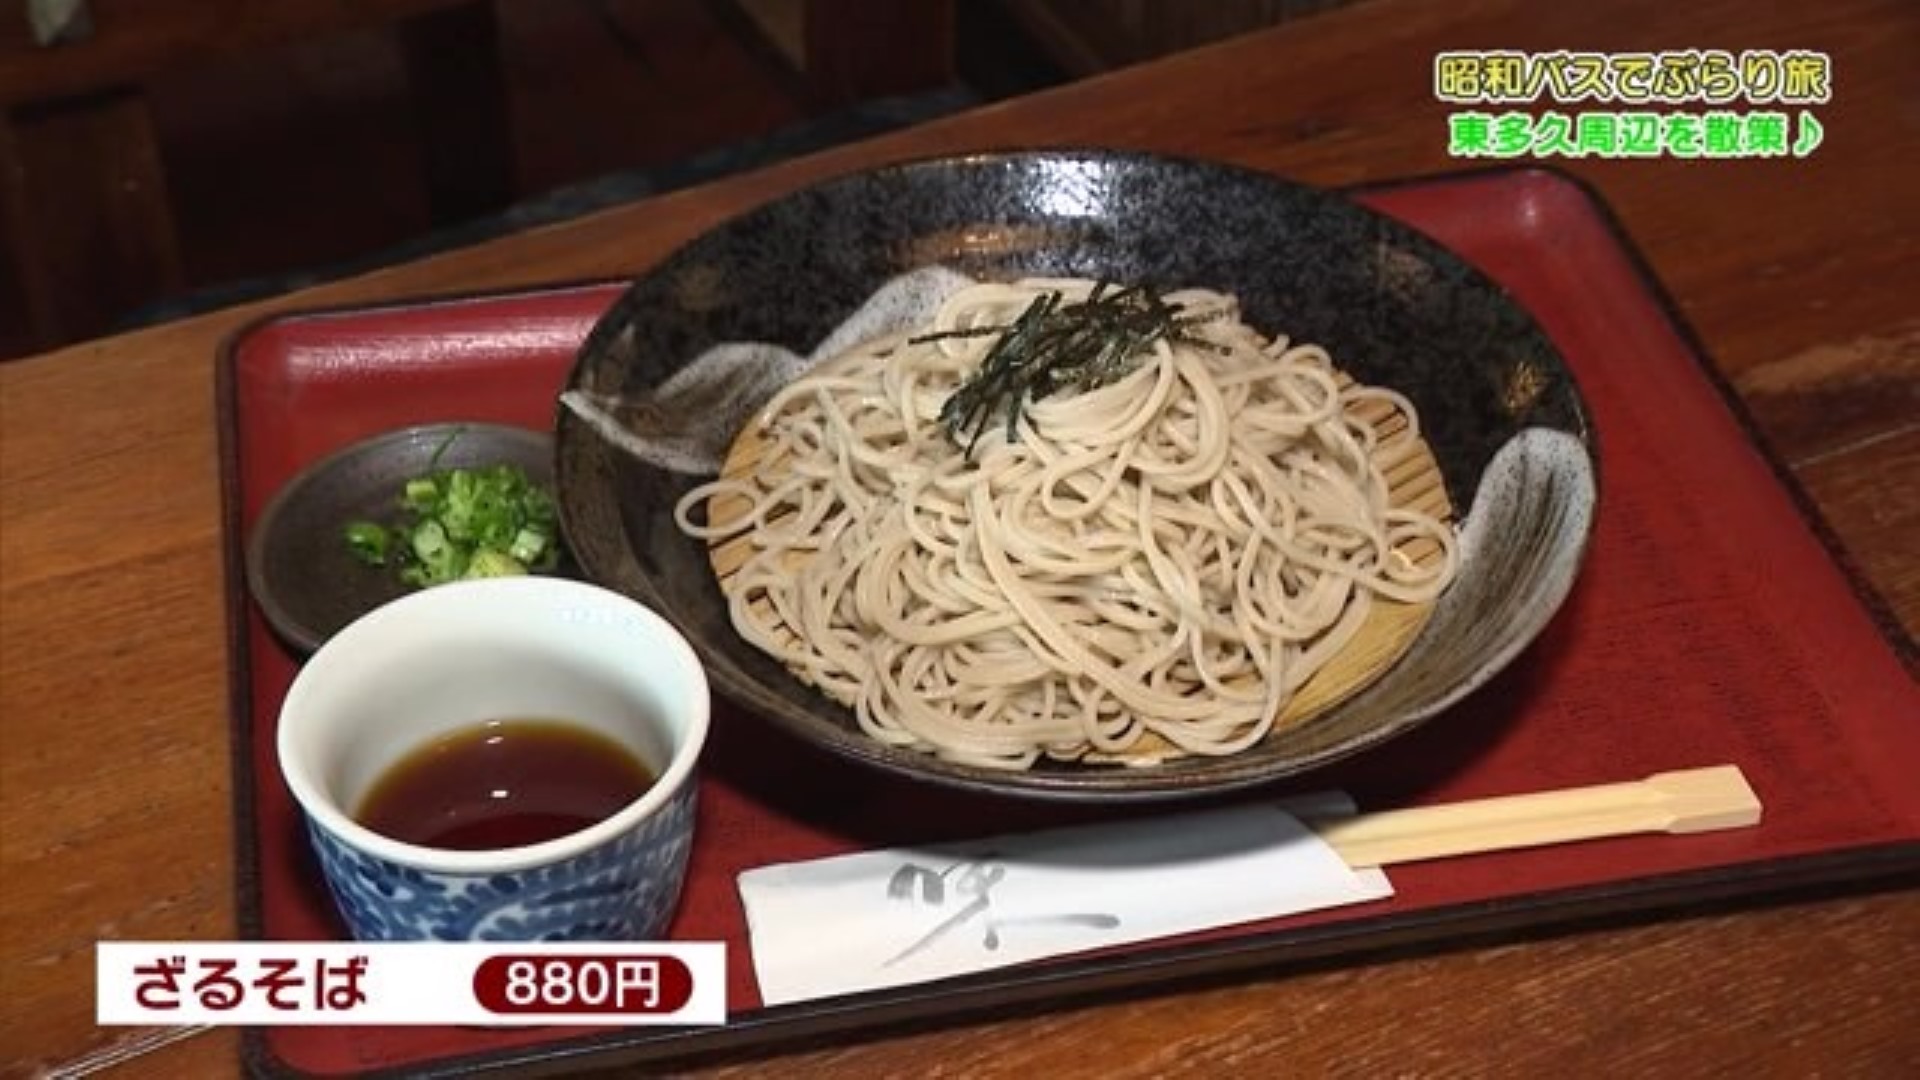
1172, 554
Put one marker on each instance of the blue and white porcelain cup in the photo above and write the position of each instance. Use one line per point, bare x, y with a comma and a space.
460, 655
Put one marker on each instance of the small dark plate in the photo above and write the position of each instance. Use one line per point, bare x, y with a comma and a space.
1497, 405
299, 570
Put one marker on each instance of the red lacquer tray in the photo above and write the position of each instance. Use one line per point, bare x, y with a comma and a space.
1711, 624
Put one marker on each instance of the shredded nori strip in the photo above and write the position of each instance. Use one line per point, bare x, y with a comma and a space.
1052, 346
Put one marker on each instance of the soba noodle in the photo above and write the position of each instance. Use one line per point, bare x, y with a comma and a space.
1172, 554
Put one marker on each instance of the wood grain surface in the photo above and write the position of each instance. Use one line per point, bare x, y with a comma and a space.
1799, 276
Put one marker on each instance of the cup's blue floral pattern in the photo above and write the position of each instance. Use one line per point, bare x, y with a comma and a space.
623, 890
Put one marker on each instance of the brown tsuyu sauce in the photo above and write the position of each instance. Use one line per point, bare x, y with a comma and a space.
504, 783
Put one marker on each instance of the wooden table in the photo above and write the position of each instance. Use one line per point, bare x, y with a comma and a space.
1801, 277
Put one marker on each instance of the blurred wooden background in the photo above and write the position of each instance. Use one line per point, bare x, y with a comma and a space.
161, 148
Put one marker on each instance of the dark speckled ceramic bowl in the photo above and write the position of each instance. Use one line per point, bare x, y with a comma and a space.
298, 569
1500, 409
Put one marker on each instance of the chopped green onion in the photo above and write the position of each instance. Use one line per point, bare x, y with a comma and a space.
368, 542
421, 493
489, 521
490, 563
529, 545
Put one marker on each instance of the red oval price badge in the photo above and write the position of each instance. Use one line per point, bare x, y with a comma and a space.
641, 985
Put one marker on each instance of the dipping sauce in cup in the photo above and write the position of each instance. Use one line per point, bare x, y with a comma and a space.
509, 717
504, 783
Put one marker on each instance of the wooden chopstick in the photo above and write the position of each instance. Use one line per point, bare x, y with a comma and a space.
1692, 800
